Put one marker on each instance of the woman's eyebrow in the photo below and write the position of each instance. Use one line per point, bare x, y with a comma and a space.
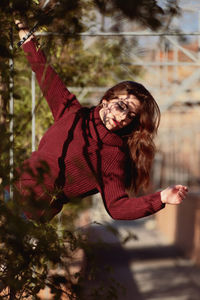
131, 105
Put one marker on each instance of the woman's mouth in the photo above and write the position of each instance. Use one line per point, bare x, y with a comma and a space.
116, 123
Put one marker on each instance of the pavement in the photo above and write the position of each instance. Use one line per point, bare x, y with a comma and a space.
147, 266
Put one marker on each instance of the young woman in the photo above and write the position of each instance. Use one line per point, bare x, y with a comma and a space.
108, 148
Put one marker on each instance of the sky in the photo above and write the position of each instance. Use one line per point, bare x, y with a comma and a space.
188, 21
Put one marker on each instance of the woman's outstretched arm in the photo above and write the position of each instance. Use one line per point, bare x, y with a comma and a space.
122, 207
54, 90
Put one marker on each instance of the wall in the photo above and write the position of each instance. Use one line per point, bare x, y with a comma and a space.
181, 225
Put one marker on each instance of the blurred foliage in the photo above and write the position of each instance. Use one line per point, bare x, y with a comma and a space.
35, 256
31, 253
148, 13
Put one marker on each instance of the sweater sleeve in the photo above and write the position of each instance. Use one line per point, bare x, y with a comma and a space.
54, 90
117, 202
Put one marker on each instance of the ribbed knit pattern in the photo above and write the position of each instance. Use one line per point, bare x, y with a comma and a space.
84, 157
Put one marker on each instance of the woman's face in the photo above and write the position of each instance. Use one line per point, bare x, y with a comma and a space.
120, 112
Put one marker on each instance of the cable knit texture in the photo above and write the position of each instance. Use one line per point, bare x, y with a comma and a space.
83, 156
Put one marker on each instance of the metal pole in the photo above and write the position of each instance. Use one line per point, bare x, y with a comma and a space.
33, 110
175, 58
162, 47
199, 35
125, 33
159, 51
11, 111
165, 67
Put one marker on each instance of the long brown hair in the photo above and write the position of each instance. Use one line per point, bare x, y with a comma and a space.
139, 134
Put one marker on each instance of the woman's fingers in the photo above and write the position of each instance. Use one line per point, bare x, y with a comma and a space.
182, 195
182, 187
174, 195
182, 192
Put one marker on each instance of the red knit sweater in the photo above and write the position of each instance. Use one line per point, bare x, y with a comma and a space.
84, 157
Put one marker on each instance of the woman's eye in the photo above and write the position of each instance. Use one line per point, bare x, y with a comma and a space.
131, 115
122, 105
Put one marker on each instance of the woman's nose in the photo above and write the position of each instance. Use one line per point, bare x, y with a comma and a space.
124, 114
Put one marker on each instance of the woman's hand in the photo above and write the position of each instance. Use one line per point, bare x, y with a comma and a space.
23, 30
174, 194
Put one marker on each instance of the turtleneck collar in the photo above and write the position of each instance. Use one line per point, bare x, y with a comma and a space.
100, 133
